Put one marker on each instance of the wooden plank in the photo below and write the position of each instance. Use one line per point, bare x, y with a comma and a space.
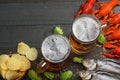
33, 20
26, 21
38, 13
36, 1
34, 35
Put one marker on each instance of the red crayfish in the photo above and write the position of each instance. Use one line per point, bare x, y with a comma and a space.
115, 49
114, 36
111, 29
105, 9
114, 18
111, 55
114, 52
86, 8
113, 42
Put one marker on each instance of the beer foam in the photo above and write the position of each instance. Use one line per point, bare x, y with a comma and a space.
86, 29
55, 48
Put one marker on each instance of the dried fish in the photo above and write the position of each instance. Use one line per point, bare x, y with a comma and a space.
98, 75
108, 65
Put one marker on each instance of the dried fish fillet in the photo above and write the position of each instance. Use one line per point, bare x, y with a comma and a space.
98, 75
108, 65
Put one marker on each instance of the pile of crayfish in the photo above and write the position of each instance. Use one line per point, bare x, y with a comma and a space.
106, 15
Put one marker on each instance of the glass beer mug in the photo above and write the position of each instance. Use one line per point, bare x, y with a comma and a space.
56, 52
85, 30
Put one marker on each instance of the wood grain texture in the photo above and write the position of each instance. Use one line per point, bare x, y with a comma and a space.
37, 1
28, 21
33, 20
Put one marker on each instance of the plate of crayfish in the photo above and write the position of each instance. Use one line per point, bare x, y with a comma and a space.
110, 19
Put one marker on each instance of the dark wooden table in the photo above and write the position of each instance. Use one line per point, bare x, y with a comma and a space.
31, 21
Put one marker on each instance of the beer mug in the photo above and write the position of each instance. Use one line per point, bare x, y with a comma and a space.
56, 52
85, 30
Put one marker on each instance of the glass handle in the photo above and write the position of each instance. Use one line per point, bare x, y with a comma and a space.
42, 66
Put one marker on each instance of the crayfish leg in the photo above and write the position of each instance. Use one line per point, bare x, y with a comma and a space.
110, 44
101, 4
111, 29
115, 51
108, 55
78, 14
95, 12
103, 21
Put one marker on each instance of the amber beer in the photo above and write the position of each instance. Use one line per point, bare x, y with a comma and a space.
85, 30
56, 52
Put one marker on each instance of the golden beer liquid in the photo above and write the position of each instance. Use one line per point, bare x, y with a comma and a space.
80, 49
61, 49
85, 30
55, 66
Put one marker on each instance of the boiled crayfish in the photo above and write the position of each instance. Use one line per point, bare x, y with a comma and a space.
114, 19
113, 53
110, 44
111, 29
105, 9
86, 8
113, 42
114, 36
115, 49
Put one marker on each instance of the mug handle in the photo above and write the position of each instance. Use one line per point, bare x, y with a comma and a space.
43, 66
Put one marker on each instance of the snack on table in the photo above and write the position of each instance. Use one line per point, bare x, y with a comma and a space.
32, 55
24, 49
14, 63
3, 59
14, 75
13, 66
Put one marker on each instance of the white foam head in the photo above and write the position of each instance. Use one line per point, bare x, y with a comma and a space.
55, 48
86, 28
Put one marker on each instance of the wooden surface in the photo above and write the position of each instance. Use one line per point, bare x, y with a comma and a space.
31, 21
26, 21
